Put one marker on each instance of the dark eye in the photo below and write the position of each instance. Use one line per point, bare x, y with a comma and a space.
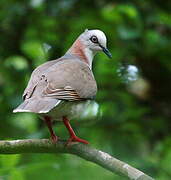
94, 39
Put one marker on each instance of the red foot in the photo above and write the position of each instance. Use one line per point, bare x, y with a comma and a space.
73, 137
76, 139
48, 122
54, 139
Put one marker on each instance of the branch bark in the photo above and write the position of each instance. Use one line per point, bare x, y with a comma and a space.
84, 151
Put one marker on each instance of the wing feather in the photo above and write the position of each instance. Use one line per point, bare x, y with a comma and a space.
66, 93
69, 80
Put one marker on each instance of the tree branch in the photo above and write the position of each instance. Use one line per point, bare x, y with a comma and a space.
84, 151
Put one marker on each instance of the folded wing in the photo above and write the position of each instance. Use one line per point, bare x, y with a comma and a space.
69, 80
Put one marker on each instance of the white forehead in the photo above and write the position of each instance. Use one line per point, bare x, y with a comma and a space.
99, 34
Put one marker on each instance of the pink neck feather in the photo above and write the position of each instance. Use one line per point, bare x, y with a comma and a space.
77, 49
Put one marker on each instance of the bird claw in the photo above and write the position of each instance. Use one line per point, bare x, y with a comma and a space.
54, 139
73, 139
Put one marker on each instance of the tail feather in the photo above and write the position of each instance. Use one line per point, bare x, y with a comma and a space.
37, 105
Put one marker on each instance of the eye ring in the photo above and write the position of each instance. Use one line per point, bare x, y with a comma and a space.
94, 39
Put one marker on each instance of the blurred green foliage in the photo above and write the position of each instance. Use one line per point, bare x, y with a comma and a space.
134, 97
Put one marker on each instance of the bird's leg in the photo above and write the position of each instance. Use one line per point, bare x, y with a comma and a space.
73, 137
48, 122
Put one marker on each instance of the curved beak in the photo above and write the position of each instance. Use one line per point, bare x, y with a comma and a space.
106, 51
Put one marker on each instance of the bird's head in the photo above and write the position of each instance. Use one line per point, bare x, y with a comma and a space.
95, 40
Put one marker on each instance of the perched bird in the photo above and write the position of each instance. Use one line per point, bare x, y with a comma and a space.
60, 89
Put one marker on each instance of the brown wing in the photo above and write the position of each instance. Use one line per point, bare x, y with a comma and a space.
67, 80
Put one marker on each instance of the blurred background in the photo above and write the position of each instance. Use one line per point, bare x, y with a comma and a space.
131, 119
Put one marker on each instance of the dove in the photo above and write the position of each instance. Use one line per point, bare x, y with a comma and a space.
59, 90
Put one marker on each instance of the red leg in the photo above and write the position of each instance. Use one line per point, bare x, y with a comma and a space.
48, 122
73, 137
